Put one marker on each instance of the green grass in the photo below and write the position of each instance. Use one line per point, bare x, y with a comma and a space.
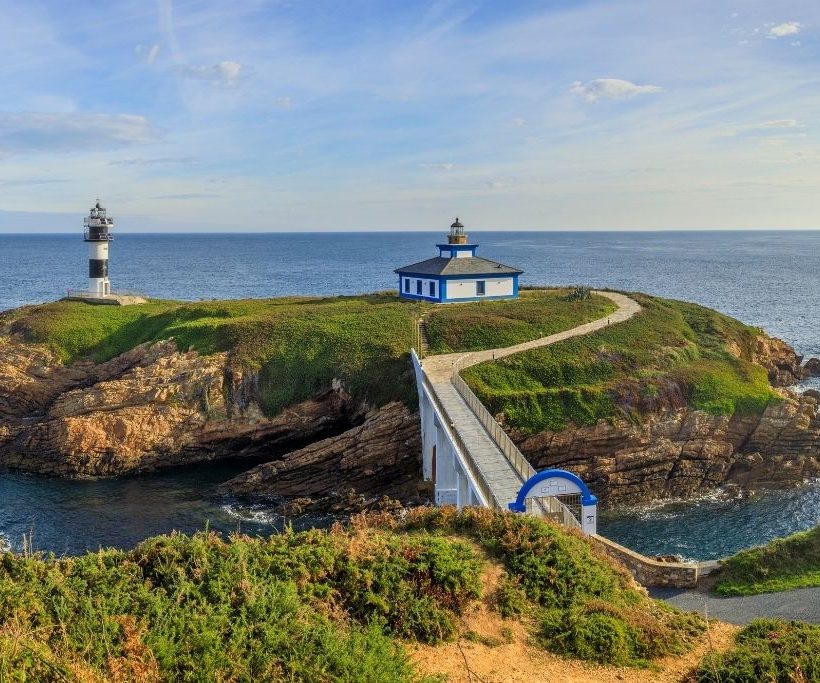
319, 605
495, 324
783, 564
766, 650
297, 345
670, 354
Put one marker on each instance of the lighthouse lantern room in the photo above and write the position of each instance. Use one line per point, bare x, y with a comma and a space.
98, 234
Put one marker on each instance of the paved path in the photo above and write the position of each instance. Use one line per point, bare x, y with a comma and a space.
802, 604
440, 368
497, 470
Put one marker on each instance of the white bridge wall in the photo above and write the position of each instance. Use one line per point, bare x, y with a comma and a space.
453, 484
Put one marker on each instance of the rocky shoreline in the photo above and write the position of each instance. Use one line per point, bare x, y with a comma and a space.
155, 407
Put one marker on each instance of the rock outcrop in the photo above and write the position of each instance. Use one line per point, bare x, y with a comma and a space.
779, 359
683, 453
149, 408
376, 460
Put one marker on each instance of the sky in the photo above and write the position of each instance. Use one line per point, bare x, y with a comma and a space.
246, 115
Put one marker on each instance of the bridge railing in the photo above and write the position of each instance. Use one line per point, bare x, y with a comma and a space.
504, 442
477, 475
551, 507
546, 506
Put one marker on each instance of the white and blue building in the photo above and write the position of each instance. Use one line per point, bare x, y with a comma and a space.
457, 274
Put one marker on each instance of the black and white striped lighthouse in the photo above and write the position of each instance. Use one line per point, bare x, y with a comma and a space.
98, 235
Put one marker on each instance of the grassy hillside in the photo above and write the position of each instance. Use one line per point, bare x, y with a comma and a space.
670, 352
783, 564
299, 344
319, 606
495, 324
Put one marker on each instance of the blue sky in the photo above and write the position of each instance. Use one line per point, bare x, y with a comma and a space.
366, 115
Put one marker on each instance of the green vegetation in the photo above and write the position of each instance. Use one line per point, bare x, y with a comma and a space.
298, 345
495, 324
671, 353
582, 604
783, 564
767, 650
318, 605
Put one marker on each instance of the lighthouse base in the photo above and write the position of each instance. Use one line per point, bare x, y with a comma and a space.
108, 300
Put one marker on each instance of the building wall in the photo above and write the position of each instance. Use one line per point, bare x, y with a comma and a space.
412, 292
467, 288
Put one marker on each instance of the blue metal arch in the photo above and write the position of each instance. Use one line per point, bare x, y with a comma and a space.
520, 502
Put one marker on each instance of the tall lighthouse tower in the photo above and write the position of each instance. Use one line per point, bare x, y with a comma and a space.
98, 235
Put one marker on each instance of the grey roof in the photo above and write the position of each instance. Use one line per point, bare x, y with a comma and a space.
473, 265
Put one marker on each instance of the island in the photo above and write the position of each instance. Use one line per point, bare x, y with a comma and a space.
676, 401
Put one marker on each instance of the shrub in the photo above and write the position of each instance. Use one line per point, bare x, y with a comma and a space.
785, 563
766, 650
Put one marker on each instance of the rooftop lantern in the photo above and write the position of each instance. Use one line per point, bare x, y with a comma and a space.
457, 234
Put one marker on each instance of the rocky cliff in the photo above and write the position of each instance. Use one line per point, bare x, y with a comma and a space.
683, 452
156, 407
369, 465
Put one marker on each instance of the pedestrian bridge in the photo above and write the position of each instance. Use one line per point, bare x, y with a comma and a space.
470, 458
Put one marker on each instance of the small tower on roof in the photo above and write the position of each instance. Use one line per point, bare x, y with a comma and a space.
457, 274
457, 234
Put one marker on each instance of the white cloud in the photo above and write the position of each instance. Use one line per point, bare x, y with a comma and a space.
282, 102
611, 89
224, 73
158, 161
60, 132
777, 124
147, 54
789, 28
518, 122
437, 167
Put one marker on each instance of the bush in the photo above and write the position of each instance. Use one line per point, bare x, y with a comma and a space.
309, 606
586, 605
767, 650
783, 564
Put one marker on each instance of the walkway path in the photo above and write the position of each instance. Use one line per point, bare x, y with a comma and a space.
440, 367
802, 604
502, 477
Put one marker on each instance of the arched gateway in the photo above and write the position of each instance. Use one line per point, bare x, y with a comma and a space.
568, 489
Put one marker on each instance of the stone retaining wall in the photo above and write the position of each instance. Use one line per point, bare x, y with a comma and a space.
649, 572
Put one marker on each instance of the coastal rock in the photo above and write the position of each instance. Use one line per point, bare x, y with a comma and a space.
780, 360
812, 367
149, 408
367, 466
680, 453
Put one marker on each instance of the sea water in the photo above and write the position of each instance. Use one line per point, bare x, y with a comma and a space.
766, 278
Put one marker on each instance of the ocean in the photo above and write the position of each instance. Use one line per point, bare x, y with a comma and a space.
766, 278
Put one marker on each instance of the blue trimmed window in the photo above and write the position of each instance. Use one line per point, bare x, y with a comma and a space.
407, 285
418, 286
480, 287
432, 289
